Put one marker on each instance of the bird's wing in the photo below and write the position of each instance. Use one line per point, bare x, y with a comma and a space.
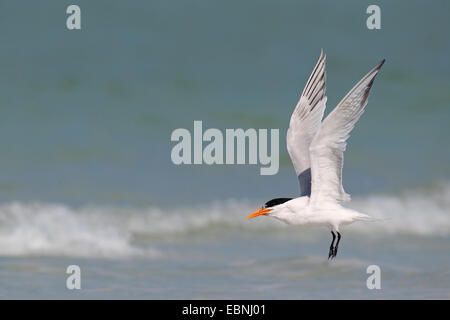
305, 122
328, 146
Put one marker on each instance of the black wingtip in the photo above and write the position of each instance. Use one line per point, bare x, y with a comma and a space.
377, 67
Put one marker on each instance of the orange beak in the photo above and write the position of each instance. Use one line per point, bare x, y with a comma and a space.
259, 212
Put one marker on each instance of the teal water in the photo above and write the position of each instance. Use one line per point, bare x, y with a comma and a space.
85, 124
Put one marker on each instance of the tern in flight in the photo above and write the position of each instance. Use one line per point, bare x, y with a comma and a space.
316, 149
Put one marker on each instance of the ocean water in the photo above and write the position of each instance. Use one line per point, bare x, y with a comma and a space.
85, 171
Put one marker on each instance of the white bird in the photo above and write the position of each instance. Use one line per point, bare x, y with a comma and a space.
317, 150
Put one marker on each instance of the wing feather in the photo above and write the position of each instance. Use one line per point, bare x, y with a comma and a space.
305, 122
328, 146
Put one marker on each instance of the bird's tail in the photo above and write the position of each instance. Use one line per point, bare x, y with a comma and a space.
367, 218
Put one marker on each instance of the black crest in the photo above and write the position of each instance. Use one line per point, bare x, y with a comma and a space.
275, 202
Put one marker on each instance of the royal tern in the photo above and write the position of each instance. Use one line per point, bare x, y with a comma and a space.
316, 149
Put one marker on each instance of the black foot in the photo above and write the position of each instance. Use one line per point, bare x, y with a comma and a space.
331, 253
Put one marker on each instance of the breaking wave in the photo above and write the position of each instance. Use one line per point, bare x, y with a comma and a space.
100, 231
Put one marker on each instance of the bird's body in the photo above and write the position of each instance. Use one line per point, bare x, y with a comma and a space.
316, 149
299, 212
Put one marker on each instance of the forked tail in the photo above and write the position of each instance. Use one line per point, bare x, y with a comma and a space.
367, 218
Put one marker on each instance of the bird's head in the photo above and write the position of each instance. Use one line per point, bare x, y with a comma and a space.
268, 207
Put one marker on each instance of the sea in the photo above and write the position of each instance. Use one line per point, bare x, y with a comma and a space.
87, 179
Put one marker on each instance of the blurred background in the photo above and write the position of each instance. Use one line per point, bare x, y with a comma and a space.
86, 176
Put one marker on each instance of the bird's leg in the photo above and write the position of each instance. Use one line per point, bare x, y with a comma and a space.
337, 244
330, 254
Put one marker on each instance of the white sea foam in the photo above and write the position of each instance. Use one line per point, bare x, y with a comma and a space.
55, 229
424, 212
52, 229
